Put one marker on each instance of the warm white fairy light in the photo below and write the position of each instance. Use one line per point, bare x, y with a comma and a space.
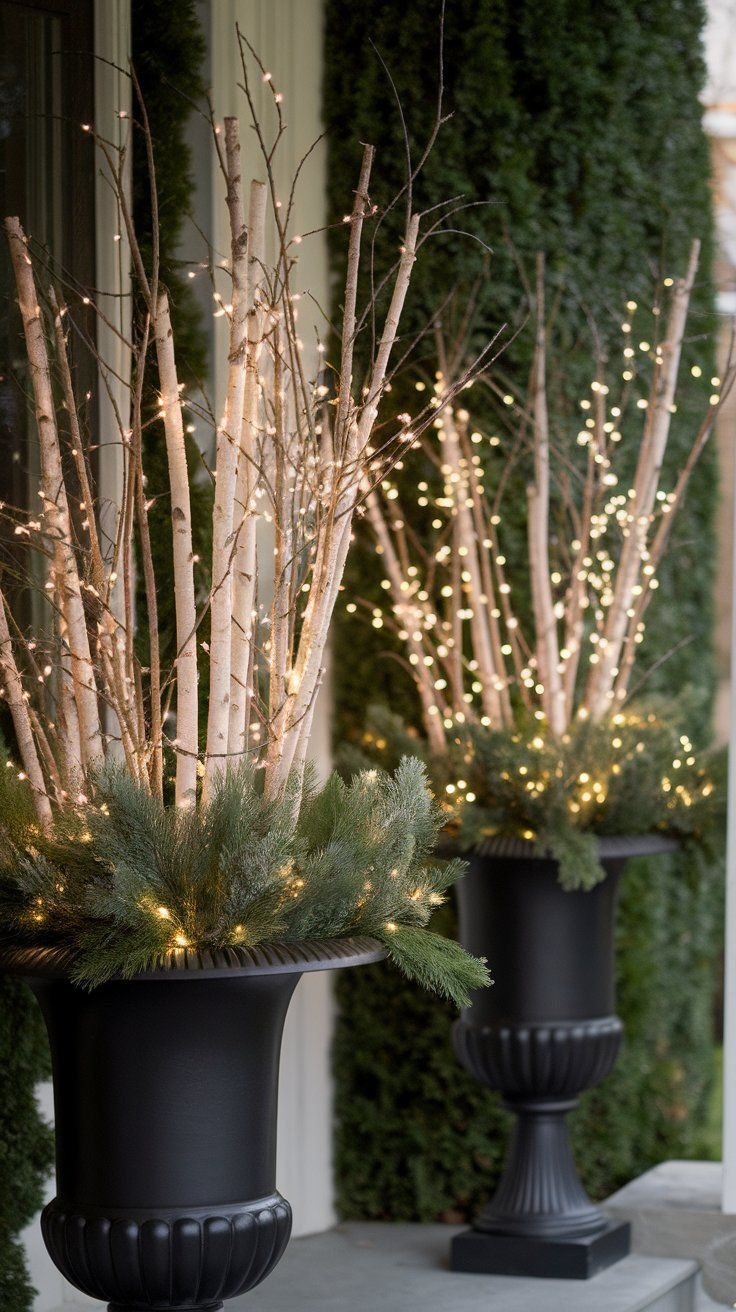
600, 581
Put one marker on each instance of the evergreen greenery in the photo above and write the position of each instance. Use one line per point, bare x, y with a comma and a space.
124, 881
636, 774
581, 125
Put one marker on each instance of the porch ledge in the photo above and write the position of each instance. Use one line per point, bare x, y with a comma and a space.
403, 1268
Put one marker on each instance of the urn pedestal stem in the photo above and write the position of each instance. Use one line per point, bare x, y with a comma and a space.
540, 1192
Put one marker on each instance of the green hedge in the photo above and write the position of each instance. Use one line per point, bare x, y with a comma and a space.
26, 1142
581, 123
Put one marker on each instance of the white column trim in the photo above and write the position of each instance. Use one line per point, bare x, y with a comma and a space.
729, 988
113, 104
719, 123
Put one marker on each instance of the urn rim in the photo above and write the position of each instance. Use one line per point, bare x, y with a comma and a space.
610, 847
301, 957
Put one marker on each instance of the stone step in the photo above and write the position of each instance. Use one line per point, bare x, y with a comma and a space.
364, 1267
674, 1209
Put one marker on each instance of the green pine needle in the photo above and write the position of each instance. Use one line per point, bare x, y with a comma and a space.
634, 773
124, 881
437, 963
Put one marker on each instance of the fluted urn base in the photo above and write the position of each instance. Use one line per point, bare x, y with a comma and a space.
540, 1221
188, 1259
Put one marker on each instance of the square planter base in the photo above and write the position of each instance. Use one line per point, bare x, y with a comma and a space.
555, 1259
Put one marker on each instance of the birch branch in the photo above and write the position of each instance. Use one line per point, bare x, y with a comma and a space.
490, 675
360, 206
600, 687
661, 538
577, 590
155, 746
421, 674
77, 444
16, 699
308, 666
245, 564
485, 547
545, 622
70, 743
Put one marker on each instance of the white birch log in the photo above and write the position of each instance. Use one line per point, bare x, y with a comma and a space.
16, 700
228, 446
245, 572
600, 687
545, 622
186, 745
56, 506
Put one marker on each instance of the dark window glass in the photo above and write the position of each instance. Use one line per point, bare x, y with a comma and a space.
47, 178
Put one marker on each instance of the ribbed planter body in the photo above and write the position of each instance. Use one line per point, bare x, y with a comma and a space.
547, 1030
165, 1092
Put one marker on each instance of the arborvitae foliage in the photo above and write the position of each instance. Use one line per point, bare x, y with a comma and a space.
168, 54
124, 881
26, 1142
580, 123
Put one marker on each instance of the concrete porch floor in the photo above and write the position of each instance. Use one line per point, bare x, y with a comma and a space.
403, 1268
363, 1267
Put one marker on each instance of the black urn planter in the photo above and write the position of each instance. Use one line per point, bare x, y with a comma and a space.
543, 1034
165, 1091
